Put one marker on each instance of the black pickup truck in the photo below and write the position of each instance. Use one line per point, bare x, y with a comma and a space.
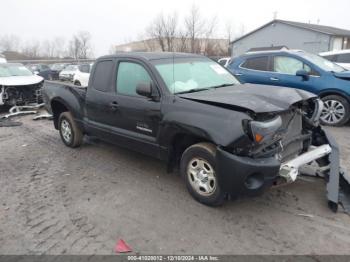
227, 139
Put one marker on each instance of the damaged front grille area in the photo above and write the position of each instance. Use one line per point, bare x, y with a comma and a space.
21, 95
289, 142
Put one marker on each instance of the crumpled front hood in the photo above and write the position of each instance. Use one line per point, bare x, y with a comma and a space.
257, 98
345, 75
20, 80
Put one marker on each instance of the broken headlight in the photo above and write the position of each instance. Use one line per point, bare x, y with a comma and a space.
263, 131
312, 112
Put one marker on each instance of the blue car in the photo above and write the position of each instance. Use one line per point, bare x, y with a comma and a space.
302, 70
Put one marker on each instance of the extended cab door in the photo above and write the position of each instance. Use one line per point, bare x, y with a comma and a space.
100, 102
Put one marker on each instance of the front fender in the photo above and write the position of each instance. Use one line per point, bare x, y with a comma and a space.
216, 124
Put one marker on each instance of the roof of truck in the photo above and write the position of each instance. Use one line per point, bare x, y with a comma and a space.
151, 55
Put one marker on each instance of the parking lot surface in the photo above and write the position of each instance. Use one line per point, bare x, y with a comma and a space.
57, 200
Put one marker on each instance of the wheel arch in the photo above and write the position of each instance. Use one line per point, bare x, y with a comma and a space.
329, 92
179, 143
58, 106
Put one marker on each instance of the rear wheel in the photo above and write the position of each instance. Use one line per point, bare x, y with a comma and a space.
77, 83
198, 170
336, 111
70, 133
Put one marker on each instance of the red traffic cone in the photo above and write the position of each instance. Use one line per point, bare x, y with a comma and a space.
122, 247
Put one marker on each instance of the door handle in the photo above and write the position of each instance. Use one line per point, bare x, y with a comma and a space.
114, 106
238, 74
274, 79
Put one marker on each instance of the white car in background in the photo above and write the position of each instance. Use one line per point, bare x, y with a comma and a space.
19, 86
224, 61
340, 57
67, 74
2, 59
82, 75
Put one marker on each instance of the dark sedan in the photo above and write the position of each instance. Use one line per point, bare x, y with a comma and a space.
44, 71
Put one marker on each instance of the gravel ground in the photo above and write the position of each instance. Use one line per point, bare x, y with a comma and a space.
57, 200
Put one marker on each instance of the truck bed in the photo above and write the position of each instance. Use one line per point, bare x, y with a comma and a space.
80, 90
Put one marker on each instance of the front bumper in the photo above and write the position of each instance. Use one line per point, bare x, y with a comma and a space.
239, 176
65, 77
247, 176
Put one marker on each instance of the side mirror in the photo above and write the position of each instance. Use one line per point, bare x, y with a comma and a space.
147, 90
303, 74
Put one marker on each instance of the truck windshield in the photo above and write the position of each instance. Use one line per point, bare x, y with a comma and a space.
189, 76
7, 70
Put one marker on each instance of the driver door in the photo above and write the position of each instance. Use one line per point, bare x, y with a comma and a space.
138, 116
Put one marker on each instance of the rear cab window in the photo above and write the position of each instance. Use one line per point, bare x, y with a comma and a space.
102, 79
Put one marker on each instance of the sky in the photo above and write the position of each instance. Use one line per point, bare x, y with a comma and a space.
113, 22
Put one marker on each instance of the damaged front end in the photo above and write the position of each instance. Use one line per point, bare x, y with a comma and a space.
21, 94
280, 147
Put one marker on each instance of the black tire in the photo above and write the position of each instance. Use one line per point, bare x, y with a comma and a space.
77, 83
345, 104
76, 137
206, 152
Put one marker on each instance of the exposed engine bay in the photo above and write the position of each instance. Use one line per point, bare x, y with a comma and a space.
21, 95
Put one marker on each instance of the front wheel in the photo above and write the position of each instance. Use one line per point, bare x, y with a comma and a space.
198, 170
70, 133
336, 111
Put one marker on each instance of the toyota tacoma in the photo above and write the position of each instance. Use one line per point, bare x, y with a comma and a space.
228, 139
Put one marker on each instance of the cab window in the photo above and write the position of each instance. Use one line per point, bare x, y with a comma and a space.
103, 75
129, 75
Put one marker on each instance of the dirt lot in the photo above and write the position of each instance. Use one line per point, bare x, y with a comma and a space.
56, 200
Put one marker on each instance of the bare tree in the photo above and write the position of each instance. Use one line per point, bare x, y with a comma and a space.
194, 26
31, 49
182, 44
85, 44
10, 43
156, 30
59, 47
74, 47
79, 46
210, 45
170, 27
229, 31
48, 49
163, 28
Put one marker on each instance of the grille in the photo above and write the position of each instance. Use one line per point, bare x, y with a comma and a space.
292, 141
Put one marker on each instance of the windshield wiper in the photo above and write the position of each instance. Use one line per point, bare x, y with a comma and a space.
192, 90
223, 85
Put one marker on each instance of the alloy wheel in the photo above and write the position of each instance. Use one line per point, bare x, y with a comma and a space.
333, 112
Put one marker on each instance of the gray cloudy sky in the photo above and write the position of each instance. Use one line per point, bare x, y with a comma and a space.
118, 21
